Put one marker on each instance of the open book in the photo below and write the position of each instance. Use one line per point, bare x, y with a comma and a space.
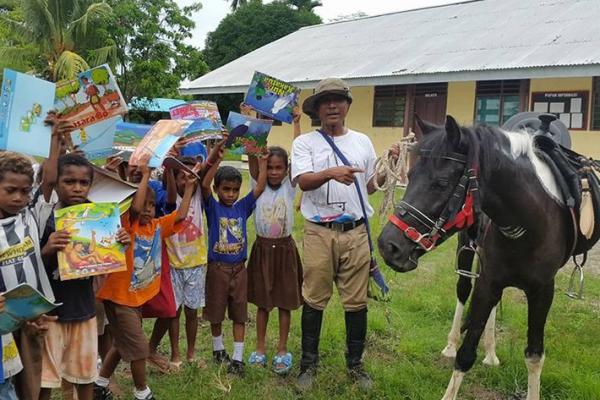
247, 135
158, 141
205, 116
23, 303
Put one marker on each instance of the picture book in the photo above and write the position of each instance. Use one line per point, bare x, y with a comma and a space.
128, 135
93, 248
96, 141
158, 141
25, 103
272, 97
247, 135
206, 119
90, 98
108, 187
23, 303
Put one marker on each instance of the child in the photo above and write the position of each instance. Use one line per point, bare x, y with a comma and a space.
10, 362
226, 279
70, 345
124, 292
274, 268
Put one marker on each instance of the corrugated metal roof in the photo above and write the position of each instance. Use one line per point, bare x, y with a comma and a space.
491, 38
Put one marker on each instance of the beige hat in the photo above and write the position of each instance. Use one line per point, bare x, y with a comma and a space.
325, 87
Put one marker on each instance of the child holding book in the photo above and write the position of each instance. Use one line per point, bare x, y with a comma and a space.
226, 278
70, 345
123, 293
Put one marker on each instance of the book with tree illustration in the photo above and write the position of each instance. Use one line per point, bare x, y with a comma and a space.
206, 119
90, 98
93, 248
158, 141
272, 97
25, 102
23, 303
128, 135
247, 135
96, 141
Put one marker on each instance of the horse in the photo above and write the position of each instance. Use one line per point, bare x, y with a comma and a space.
484, 173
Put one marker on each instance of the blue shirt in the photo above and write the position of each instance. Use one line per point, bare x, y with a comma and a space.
227, 237
160, 201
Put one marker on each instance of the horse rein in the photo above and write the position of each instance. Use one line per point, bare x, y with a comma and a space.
457, 213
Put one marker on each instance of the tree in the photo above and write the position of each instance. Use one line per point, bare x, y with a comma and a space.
55, 37
150, 37
100, 76
237, 3
307, 5
251, 27
66, 89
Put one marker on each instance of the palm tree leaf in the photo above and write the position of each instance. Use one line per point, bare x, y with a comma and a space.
78, 27
103, 55
68, 65
20, 29
18, 58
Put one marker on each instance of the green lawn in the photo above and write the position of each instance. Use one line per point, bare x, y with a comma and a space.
405, 338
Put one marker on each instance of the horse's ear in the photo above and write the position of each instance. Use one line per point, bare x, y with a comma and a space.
425, 126
452, 130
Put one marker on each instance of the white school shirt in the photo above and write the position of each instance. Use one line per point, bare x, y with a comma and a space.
334, 201
274, 213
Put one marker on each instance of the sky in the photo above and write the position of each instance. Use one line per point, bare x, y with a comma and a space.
213, 11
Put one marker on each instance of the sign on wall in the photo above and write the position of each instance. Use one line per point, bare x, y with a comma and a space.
570, 107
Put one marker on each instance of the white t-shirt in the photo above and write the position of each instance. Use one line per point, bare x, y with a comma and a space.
334, 201
274, 213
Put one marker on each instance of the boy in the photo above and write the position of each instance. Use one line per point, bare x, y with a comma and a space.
10, 362
71, 347
226, 277
124, 292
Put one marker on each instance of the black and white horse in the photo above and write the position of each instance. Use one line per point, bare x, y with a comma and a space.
526, 239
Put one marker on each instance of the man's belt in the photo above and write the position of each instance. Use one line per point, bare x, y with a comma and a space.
341, 226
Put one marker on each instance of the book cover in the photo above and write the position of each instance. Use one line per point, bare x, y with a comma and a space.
23, 303
272, 97
158, 141
96, 141
90, 98
206, 119
25, 103
93, 248
108, 187
247, 135
128, 135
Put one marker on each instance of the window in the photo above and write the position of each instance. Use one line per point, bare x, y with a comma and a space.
388, 106
596, 104
497, 101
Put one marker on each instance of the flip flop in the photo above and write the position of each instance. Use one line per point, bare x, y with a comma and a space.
282, 363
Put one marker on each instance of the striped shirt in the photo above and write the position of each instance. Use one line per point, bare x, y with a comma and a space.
20, 255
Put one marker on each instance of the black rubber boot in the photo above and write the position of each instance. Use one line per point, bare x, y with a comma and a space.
311, 333
356, 333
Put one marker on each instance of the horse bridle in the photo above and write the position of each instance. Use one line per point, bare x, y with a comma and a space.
458, 213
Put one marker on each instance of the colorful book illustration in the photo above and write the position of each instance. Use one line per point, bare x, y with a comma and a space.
93, 248
247, 135
128, 135
272, 97
25, 103
96, 141
23, 303
158, 141
108, 187
90, 98
205, 114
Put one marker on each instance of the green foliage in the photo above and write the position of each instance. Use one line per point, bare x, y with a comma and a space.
100, 76
53, 37
252, 26
149, 36
237, 3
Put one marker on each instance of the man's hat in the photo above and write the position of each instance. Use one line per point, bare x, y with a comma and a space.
325, 87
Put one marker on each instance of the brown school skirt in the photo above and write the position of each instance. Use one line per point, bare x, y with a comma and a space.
275, 274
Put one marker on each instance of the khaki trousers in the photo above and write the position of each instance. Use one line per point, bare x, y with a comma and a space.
336, 257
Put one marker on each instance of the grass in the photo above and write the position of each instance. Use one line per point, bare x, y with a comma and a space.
405, 338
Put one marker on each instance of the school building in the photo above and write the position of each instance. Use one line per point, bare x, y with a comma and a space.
479, 61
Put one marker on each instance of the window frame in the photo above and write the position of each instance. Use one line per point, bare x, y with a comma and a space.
397, 92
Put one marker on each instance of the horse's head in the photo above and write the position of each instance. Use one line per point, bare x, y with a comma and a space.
424, 216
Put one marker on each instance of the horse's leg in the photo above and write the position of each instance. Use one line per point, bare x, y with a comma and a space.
463, 290
489, 341
484, 299
538, 306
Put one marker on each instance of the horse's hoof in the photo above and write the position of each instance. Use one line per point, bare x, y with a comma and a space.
491, 360
449, 351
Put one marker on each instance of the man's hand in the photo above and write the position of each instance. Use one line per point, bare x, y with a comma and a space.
123, 237
296, 115
57, 241
343, 174
394, 151
40, 326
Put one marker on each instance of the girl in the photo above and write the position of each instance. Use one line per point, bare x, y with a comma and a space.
274, 269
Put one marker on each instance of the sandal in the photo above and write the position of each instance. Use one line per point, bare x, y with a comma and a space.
282, 363
257, 359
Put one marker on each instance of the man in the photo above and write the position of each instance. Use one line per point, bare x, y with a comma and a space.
336, 248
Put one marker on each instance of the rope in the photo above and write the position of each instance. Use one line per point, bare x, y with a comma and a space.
394, 170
